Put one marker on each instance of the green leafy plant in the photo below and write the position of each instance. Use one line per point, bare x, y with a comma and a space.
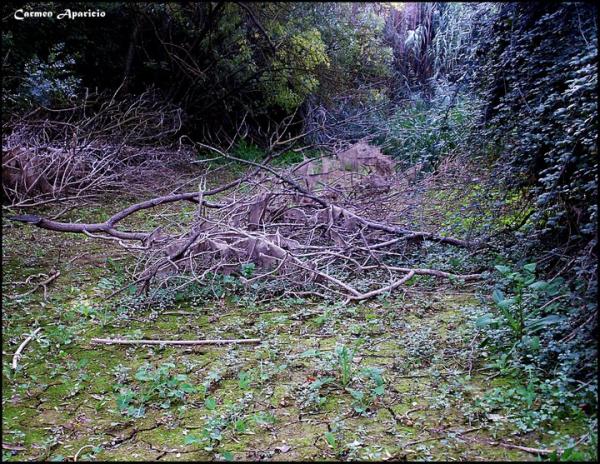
343, 358
155, 385
219, 423
248, 270
334, 443
312, 396
211, 435
244, 380
374, 375
376, 388
210, 403
518, 308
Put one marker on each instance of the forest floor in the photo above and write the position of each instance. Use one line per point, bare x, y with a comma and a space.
395, 378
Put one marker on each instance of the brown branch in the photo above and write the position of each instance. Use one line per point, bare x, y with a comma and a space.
379, 291
327, 234
116, 341
43, 284
409, 234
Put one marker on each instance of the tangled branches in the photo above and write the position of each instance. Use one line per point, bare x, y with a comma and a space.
90, 148
326, 227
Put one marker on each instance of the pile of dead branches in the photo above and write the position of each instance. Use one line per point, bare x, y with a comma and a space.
336, 226
100, 145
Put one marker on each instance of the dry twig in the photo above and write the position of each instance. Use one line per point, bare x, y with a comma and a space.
116, 341
313, 229
22, 346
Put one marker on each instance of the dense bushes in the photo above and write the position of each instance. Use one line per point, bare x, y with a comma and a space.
219, 61
427, 131
540, 89
538, 78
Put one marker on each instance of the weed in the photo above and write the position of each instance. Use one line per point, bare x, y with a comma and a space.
311, 396
518, 310
156, 385
216, 425
210, 403
375, 384
343, 358
244, 380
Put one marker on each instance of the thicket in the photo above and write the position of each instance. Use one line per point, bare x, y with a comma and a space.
538, 78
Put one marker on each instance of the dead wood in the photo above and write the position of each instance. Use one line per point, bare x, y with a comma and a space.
81, 153
17, 355
116, 341
322, 236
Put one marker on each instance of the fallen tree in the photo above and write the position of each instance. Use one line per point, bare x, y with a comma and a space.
98, 146
333, 225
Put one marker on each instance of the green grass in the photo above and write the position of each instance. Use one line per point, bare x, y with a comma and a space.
401, 354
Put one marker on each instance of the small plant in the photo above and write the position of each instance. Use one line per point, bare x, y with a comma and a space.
247, 270
311, 397
213, 378
343, 358
520, 310
373, 380
158, 384
513, 308
219, 423
244, 380
210, 403
335, 444
361, 403
374, 374
331, 440
263, 418
211, 434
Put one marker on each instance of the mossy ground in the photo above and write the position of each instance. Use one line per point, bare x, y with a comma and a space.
62, 399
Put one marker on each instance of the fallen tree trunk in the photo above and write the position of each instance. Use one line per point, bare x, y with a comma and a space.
117, 341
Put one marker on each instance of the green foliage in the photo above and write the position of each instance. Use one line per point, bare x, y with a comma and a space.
527, 336
210, 403
343, 358
454, 44
357, 48
313, 397
541, 109
284, 52
577, 452
540, 91
331, 440
522, 310
244, 380
248, 270
291, 157
375, 385
428, 131
247, 151
291, 77
483, 209
218, 423
528, 410
154, 385
51, 82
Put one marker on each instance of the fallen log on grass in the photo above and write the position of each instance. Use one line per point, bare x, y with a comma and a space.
117, 341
